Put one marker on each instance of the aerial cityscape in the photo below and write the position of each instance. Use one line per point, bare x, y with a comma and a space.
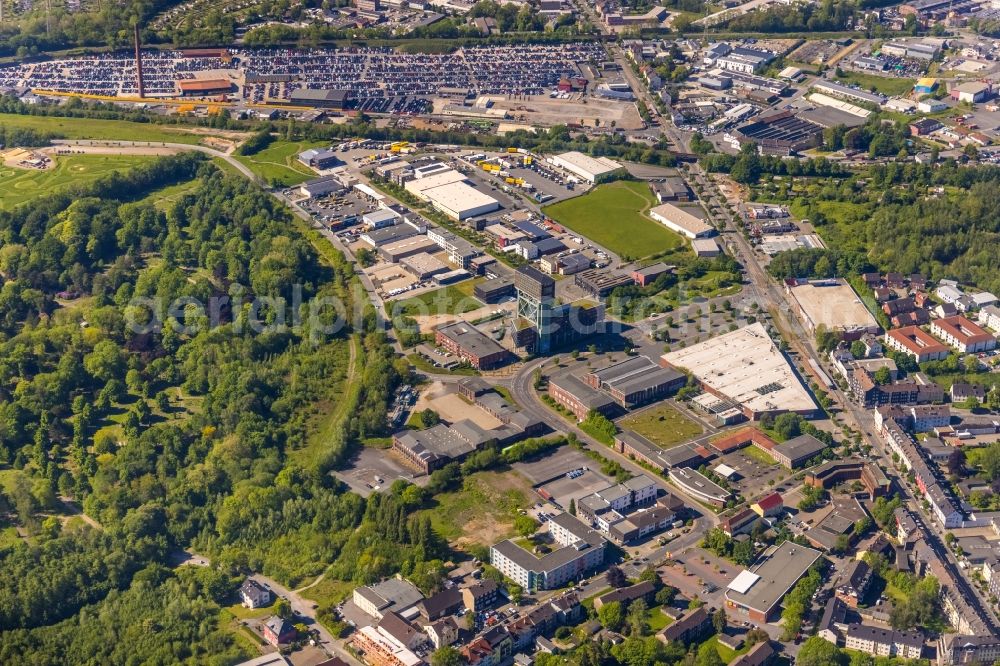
496, 333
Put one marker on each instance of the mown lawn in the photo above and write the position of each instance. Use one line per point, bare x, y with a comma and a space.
664, 426
20, 185
278, 163
726, 653
113, 130
453, 299
614, 216
887, 85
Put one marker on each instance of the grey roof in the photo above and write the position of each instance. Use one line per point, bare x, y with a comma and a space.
388, 235
436, 442
586, 538
536, 275
778, 574
885, 636
652, 270
392, 594
549, 246
383, 215
575, 261
589, 396
321, 95
635, 374
802, 447
470, 338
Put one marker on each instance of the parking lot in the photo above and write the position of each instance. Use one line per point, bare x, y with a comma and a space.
757, 477
559, 461
373, 469
564, 489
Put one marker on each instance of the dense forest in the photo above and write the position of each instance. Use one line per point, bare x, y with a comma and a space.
943, 221
193, 432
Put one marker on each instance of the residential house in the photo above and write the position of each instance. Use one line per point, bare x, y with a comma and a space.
481, 595
858, 578
442, 632
278, 631
254, 595
689, 627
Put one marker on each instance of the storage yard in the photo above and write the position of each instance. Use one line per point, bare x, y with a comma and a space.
272, 76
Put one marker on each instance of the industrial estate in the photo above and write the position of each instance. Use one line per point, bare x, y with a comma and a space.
532, 332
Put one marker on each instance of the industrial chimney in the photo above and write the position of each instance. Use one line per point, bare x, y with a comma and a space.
138, 61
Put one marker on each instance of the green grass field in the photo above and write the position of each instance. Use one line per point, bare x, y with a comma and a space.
164, 197
20, 185
453, 299
113, 130
665, 426
278, 162
727, 654
756, 454
483, 511
613, 216
884, 84
657, 620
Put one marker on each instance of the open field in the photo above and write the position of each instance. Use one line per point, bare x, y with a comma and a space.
726, 653
165, 197
278, 164
453, 299
113, 130
329, 413
887, 85
665, 426
20, 185
483, 511
613, 216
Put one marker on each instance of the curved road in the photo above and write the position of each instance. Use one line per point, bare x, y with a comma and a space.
523, 392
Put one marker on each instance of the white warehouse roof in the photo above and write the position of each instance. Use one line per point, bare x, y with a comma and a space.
591, 168
744, 581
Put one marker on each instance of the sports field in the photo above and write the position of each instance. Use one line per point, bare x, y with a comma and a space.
278, 163
20, 185
613, 216
664, 426
114, 130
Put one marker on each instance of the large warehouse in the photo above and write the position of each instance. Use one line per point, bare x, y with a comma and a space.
782, 133
591, 169
450, 193
747, 368
681, 221
833, 304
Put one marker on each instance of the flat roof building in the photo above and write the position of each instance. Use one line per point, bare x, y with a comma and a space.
494, 290
745, 367
797, 451
590, 169
406, 247
599, 282
320, 186
757, 592
423, 265
636, 381
578, 397
698, 485
581, 550
320, 158
322, 98
472, 345
681, 221
460, 200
